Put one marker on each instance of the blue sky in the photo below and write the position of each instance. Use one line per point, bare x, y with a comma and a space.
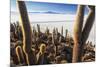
45, 7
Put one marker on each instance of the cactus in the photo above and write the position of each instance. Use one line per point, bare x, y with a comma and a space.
66, 34
34, 30
80, 36
20, 55
88, 26
62, 30
38, 28
56, 31
27, 33
47, 31
60, 37
40, 55
56, 36
34, 34
77, 32
89, 23
53, 36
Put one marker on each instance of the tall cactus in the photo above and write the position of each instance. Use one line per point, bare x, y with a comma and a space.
88, 26
27, 32
77, 32
81, 36
89, 23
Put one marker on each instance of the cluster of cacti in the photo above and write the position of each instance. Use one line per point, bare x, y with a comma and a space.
34, 47
81, 33
57, 48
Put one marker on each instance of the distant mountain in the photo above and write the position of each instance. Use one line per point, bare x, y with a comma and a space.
48, 12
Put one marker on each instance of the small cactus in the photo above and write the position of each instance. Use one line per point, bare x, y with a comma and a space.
20, 55
38, 28
66, 34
